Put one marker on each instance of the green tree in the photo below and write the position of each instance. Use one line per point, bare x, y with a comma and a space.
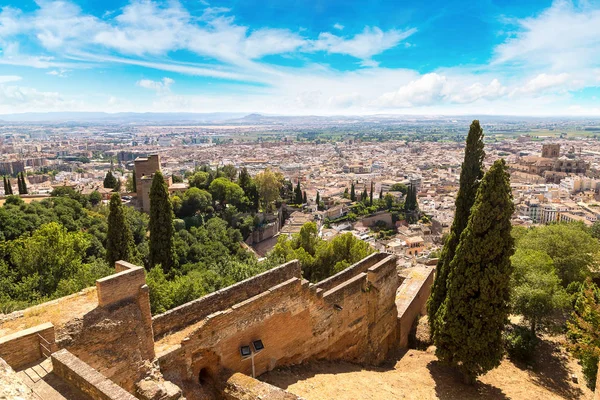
200, 180
399, 187
5, 185
226, 192
248, 185
229, 171
371, 195
304, 198
110, 181
571, 247
119, 239
298, 194
536, 290
49, 255
318, 200
161, 227
269, 184
583, 330
471, 319
470, 175
95, 198
352, 192
8, 189
24, 183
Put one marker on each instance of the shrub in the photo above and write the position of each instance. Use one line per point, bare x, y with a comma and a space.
520, 343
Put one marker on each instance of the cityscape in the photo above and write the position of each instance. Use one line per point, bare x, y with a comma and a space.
299, 200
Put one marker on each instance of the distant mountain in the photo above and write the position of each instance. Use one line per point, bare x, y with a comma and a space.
121, 118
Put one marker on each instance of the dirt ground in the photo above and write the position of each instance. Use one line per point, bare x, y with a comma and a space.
418, 375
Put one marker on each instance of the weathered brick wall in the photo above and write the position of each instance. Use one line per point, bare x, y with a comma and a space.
23, 347
123, 285
412, 299
196, 310
351, 271
86, 378
354, 321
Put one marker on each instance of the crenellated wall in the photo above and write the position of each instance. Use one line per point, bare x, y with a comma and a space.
353, 321
196, 310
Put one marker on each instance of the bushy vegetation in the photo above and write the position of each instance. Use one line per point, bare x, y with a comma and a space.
320, 258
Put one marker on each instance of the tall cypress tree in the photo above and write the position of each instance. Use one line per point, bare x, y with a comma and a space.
24, 183
162, 245
134, 181
318, 200
19, 185
352, 193
298, 193
110, 182
371, 195
119, 240
470, 321
380, 194
8, 187
304, 198
5, 185
470, 176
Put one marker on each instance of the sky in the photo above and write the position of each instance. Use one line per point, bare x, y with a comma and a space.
302, 57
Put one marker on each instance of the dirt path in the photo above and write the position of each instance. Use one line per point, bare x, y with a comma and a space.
418, 375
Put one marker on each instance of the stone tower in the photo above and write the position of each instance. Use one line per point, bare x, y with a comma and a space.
551, 150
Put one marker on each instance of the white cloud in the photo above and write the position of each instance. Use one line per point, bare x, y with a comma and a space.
9, 78
61, 73
364, 45
161, 87
478, 91
338, 26
23, 99
426, 90
562, 37
544, 82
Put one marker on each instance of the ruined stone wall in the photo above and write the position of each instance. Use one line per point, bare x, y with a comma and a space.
196, 310
25, 347
354, 321
351, 271
85, 378
411, 300
115, 338
243, 387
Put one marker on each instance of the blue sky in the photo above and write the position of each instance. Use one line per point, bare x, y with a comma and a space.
300, 57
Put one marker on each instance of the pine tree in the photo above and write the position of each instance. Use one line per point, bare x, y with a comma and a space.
110, 182
298, 193
318, 200
371, 195
119, 240
470, 321
408, 199
304, 198
470, 176
352, 193
162, 250
24, 183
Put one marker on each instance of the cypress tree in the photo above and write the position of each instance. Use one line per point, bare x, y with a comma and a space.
364, 196
380, 194
110, 182
371, 195
19, 185
352, 193
24, 183
318, 200
470, 176
162, 245
119, 240
304, 198
470, 321
134, 182
5, 185
298, 193
8, 187
408, 199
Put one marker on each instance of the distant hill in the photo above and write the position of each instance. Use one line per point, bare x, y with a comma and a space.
96, 117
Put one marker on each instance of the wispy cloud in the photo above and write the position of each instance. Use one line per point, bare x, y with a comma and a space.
161, 87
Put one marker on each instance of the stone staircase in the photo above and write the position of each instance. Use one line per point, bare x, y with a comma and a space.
46, 385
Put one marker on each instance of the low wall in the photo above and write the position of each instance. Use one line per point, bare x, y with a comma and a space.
412, 299
23, 347
243, 387
123, 285
199, 309
372, 220
86, 378
355, 269
355, 321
